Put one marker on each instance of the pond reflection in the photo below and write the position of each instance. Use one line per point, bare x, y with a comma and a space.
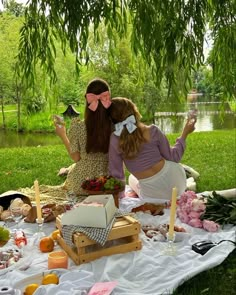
13, 139
210, 116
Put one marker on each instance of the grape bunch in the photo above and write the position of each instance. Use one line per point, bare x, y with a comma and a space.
113, 184
102, 183
4, 234
92, 184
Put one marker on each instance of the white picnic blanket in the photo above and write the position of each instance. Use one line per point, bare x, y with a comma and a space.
148, 271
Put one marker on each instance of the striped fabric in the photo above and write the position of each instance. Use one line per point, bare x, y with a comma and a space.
99, 235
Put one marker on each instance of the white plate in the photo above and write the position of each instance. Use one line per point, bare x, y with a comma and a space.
37, 278
20, 263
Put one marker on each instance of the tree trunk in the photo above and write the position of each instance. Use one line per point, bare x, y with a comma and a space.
3, 114
18, 99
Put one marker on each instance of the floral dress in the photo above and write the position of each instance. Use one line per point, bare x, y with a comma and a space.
89, 166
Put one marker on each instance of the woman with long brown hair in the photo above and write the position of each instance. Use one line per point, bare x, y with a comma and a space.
146, 153
87, 142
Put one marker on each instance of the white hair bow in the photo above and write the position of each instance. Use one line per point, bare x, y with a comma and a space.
129, 123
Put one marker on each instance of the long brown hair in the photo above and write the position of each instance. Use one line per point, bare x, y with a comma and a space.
129, 143
98, 123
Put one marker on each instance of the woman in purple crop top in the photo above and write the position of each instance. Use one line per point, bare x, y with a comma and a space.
146, 153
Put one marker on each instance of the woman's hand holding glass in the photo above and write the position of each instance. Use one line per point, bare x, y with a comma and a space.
60, 127
189, 127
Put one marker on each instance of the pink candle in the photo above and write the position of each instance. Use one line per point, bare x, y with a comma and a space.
57, 259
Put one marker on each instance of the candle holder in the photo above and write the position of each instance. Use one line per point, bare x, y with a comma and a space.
170, 248
39, 234
58, 259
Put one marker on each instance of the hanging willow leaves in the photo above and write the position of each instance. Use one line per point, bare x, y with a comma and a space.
168, 33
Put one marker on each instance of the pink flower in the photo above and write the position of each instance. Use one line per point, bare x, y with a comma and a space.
198, 205
195, 222
194, 214
183, 199
184, 207
210, 225
188, 195
183, 215
188, 205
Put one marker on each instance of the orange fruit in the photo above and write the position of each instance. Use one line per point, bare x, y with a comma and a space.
54, 234
46, 244
50, 278
30, 289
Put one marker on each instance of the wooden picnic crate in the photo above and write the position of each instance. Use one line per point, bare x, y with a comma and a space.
123, 237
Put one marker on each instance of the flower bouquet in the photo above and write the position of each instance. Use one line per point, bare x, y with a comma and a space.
103, 185
207, 212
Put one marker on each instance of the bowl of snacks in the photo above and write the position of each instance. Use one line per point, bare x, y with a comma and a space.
159, 232
103, 185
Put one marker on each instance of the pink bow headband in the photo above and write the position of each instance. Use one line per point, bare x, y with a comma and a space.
92, 100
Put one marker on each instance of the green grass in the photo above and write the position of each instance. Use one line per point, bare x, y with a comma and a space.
212, 154
10, 107
21, 166
218, 280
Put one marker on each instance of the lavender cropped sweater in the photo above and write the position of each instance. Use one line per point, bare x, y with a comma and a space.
150, 153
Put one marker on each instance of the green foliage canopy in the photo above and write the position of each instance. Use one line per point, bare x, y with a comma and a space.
168, 33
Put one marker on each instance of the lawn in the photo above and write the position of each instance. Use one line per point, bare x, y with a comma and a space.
212, 154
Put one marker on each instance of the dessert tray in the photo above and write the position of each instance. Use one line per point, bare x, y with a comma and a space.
11, 257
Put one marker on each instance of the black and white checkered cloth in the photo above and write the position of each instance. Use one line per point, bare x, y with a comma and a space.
96, 234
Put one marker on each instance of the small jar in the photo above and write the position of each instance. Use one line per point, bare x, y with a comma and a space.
57, 259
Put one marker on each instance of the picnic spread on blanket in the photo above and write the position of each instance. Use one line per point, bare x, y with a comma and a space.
96, 245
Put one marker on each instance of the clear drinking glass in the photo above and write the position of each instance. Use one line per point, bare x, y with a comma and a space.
72, 198
169, 248
16, 214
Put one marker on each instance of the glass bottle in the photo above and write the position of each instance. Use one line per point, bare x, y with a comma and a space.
20, 238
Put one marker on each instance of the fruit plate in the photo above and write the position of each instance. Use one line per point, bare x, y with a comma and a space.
37, 278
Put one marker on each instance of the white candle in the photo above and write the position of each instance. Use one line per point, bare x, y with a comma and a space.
37, 199
172, 213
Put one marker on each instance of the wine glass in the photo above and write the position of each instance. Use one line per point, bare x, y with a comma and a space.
72, 198
16, 213
169, 248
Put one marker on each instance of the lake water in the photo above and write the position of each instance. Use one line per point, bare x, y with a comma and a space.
210, 117
13, 139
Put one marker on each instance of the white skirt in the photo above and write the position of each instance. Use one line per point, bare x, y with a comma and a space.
158, 188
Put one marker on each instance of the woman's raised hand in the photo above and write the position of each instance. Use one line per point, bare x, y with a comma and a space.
189, 127
59, 124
